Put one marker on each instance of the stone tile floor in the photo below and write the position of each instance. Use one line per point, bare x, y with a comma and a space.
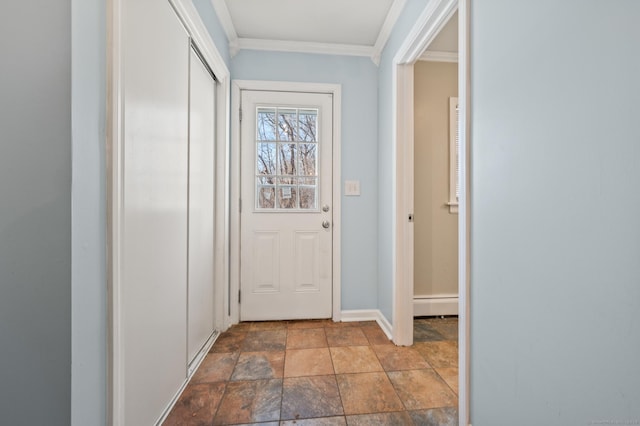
325, 373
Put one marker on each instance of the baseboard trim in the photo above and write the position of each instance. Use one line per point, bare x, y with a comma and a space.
369, 315
423, 307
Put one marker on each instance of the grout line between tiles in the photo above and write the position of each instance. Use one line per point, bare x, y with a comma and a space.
324, 326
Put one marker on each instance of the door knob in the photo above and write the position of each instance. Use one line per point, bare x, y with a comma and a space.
325, 208
326, 224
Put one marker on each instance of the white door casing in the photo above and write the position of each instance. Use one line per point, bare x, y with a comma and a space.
287, 205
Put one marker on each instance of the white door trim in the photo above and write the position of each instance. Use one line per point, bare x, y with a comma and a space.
403, 228
234, 264
114, 178
431, 21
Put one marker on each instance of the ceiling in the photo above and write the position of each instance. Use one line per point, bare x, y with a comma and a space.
329, 21
343, 27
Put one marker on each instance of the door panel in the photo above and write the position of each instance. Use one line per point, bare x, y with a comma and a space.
306, 261
266, 255
286, 176
201, 206
153, 300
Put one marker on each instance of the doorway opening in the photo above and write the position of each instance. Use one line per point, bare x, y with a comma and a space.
435, 197
426, 30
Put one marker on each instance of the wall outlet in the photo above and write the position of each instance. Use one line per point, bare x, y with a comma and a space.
352, 187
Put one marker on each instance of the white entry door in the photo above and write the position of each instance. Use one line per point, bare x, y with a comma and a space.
286, 196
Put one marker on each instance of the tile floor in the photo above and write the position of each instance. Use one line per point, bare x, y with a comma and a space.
325, 373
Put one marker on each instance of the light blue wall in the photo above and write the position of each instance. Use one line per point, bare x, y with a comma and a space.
555, 225
35, 213
89, 319
358, 77
386, 155
210, 18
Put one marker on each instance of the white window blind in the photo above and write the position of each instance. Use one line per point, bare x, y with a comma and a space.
454, 162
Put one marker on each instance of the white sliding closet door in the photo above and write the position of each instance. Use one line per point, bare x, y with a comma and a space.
153, 299
201, 205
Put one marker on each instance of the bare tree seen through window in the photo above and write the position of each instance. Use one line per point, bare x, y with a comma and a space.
287, 160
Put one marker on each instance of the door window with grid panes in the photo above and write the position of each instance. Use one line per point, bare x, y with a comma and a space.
286, 159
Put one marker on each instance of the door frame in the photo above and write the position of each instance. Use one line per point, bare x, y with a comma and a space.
428, 25
196, 29
234, 258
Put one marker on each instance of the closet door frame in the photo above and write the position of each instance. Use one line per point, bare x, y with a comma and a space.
115, 180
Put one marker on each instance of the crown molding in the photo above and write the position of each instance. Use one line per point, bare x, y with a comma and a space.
387, 27
227, 25
305, 47
374, 52
437, 56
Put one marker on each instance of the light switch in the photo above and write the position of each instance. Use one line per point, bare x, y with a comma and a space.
352, 187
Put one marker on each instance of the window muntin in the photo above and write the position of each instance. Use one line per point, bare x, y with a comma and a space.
286, 159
